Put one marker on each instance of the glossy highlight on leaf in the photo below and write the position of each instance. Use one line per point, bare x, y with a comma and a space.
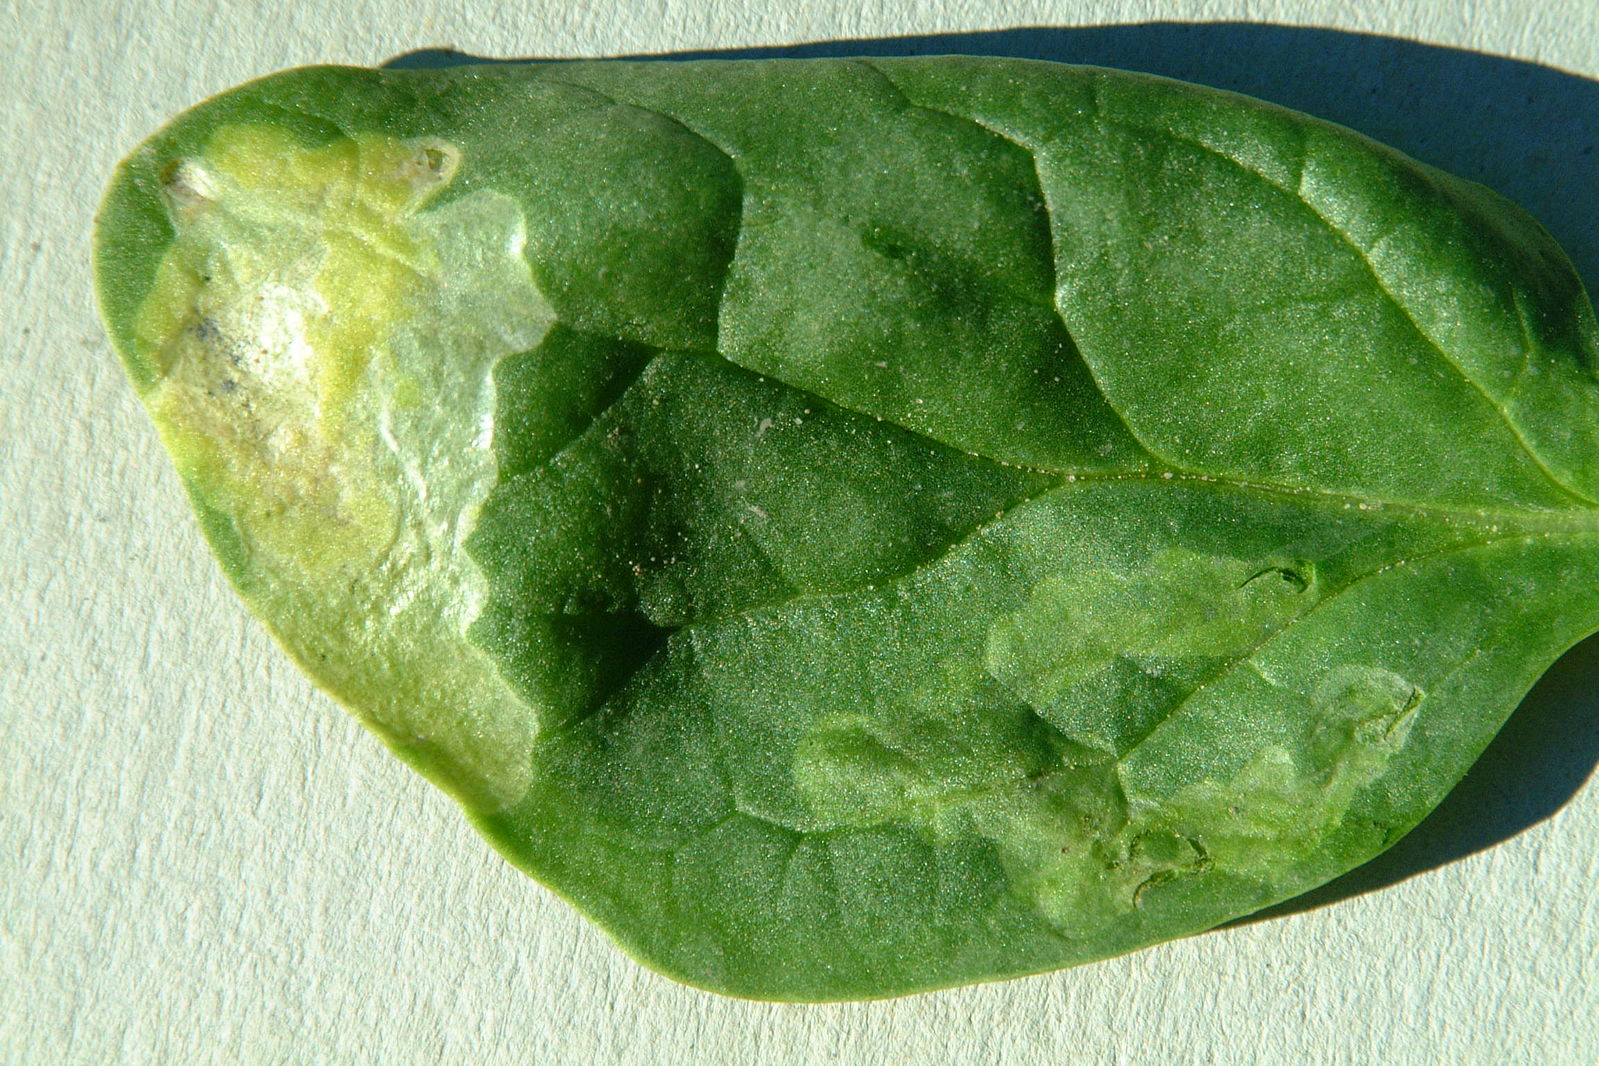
859, 527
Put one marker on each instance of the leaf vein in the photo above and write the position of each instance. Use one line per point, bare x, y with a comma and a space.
1053, 303
1393, 299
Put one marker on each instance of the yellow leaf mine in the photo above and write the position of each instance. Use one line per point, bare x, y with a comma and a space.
296, 322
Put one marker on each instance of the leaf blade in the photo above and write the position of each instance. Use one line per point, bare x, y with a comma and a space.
947, 519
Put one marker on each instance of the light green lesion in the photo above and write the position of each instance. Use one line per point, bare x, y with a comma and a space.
1172, 618
1081, 850
322, 341
1273, 814
1078, 845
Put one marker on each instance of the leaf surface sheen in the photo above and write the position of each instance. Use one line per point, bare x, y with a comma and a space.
957, 518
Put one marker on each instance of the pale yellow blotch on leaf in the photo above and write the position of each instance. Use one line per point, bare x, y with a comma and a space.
324, 344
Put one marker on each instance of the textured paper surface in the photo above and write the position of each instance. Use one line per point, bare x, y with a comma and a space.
202, 860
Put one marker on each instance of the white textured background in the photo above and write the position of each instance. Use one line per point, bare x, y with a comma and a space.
202, 860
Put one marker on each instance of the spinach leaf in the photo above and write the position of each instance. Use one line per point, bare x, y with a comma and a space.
854, 528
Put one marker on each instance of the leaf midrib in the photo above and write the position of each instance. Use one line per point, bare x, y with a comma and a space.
1519, 524
1520, 521
1522, 525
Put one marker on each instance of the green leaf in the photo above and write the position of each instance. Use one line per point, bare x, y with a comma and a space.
855, 528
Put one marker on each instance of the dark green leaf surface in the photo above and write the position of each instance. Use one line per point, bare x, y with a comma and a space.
855, 528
